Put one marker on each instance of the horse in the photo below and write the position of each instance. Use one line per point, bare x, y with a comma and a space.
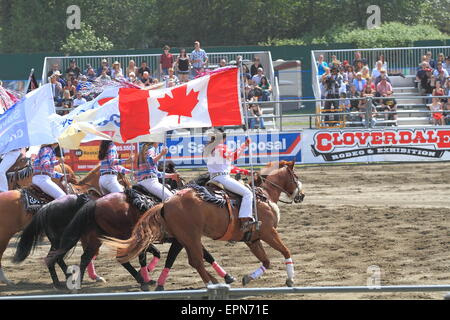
112, 215
191, 213
13, 215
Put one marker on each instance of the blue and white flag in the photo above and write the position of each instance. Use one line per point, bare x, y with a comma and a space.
26, 122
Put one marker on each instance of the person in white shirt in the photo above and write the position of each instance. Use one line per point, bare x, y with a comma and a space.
257, 77
8, 160
79, 100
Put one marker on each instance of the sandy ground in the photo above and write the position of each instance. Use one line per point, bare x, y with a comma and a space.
393, 216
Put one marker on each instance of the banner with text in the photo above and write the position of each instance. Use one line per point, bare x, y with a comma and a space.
371, 145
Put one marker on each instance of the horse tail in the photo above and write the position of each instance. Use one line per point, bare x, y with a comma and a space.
84, 218
30, 237
147, 230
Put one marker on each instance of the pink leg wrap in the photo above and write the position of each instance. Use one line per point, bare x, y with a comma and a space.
163, 277
144, 274
152, 264
91, 270
219, 269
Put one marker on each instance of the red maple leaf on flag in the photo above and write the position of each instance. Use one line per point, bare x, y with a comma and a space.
181, 104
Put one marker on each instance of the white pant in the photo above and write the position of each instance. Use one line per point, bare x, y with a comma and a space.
9, 159
48, 186
109, 184
234, 186
154, 187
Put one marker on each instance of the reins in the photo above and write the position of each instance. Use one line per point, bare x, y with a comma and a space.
280, 188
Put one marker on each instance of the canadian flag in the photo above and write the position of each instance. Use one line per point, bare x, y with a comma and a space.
209, 101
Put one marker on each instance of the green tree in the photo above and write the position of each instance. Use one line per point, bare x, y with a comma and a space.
84, 40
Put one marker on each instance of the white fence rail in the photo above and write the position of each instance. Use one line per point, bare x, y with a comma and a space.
223, 292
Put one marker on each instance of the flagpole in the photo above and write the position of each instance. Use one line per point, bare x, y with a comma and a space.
28, 82
64, 168
164, 167
250, 154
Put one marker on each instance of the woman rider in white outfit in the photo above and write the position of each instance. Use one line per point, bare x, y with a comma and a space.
110, 167
44, 171
148, 173
8, 160
219, 162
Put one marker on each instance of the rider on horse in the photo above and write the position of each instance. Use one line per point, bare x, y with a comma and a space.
148, 173
8, 160
44, 171
110, 167
219, 162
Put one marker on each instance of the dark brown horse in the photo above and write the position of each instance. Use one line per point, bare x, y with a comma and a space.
187, 217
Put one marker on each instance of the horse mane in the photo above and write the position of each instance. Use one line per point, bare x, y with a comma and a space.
89, 175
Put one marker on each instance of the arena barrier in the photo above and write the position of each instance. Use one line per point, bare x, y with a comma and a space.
224, 292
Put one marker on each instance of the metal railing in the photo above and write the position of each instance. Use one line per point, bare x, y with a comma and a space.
224, 292
405, 60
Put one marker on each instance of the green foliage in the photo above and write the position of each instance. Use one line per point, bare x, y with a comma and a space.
392, 34
85, 40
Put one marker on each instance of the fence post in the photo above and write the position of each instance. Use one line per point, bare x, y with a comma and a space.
218, 291
369, 113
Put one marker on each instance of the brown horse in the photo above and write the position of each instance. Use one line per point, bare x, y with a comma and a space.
14, 217
187, 217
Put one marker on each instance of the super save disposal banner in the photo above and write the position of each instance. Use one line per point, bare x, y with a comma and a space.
369, 145
265, 147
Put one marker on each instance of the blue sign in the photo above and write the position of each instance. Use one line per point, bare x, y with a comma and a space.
264, 148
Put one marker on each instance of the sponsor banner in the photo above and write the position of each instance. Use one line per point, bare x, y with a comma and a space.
370, 145
86, 158
265, 148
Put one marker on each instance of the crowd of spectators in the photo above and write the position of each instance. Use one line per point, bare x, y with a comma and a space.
74, 86
342, 81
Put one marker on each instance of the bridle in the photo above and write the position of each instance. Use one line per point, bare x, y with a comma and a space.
295, 193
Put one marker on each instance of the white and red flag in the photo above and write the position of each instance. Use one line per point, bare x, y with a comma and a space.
210, 101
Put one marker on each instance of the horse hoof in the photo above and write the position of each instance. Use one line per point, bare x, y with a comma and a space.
159, 288
151, 282
229, 279
290, 283
100, 279
246, 280
145, 287
61, 286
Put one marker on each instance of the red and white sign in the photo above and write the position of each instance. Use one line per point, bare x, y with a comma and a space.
365, 145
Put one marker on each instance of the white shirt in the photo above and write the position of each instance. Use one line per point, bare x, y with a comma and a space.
77, 102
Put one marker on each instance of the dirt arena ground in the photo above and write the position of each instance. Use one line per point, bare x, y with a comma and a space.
394, 216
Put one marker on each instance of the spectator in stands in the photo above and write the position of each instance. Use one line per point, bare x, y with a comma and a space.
383, 74
446, 64
359, 82
131, 68
55, 67
437, 116
104, 77
104, 65
359, 59
58, 75
79, 100
116, 70
67, 101
385, 90
365, 73
146, 79
165, 61
349, 74
91, 76
199, 59
383, 62
429, 59
255, 117
73, 68
334, 62
439, 91
352, 105
222, 63
171, 79
257, 77
182, 64
88, 66
144, 67
368, 92
376, 72
57, 89
440, 73
132, 78
255, 66
332, 83
321, 65
266, 88
70, 87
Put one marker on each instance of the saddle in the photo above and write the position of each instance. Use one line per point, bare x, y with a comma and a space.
140, 198
233, 204
33, 198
